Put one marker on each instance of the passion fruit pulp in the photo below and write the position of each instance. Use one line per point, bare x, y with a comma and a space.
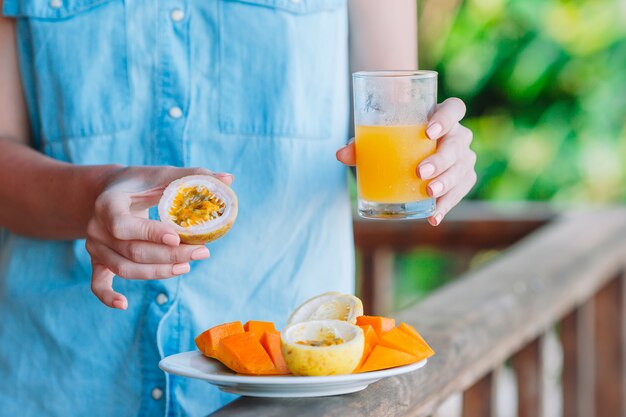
322, 347
200, 207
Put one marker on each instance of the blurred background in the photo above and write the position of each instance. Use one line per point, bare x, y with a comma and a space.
545, 86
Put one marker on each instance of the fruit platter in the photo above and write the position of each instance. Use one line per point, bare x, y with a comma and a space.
328, 347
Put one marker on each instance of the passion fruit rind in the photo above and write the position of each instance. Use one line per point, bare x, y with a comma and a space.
193, 239
330, 305
339, 356
209, 227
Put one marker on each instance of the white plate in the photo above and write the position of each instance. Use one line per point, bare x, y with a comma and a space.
195, 365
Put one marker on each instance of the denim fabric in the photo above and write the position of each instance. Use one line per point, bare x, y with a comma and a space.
262, 85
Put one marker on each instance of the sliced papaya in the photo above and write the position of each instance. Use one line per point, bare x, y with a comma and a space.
408, 329
244, 354
379, 323
271, 343
258, 327
399, 340
208, 341
371, 340
383, 357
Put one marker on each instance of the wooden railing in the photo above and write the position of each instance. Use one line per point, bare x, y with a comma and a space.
568, 274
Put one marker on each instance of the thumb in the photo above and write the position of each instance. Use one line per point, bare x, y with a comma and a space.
347, 154
177, 173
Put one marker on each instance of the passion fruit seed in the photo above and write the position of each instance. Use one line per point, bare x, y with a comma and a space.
195, 205
330, 341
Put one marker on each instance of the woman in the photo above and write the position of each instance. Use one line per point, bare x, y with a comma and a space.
106, 99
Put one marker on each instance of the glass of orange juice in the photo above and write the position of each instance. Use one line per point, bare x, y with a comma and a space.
391, 109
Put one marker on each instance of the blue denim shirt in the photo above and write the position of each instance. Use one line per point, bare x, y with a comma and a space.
257, 88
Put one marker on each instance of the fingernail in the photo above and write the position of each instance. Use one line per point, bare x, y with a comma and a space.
438, 218
120, 304
171, 240
200, 253
435, 188
227, 178
434, 130
426, 171
180, 269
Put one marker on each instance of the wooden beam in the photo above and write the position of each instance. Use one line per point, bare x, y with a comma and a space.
376, 281
474, 226
527, 365
609, 359
478, 400
478, 321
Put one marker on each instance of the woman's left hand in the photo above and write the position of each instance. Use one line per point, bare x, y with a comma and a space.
450, 169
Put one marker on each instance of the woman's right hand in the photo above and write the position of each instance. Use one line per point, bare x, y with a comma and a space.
122, 240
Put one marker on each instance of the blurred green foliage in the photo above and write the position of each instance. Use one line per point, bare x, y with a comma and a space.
545, 85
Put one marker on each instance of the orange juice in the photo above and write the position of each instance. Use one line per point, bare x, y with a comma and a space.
386, 162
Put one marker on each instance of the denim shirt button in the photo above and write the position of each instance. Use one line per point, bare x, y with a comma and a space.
162, 299
175, 112
56, 4
157, 394
177, 15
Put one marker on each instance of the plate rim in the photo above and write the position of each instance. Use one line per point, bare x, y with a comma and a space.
166, 365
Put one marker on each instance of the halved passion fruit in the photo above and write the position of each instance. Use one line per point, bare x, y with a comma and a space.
200, 207
328, 306
322, 347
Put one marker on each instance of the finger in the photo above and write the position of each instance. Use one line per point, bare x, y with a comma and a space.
153, 253
176, 173
347, 154
451, 177
144, 252
225, 178
448, 151
128, 269
447, 115
451, 199
102, 287
113, 209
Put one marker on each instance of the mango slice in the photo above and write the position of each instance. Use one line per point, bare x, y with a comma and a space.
371, 340
208, 341
383, 357
258, 327
407, 328
399, 340
271, 343
244, 354
380, 324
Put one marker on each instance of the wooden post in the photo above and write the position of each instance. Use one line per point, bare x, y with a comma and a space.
577, 335
479, 398
376, 281
609, 359
569, 375
527, 365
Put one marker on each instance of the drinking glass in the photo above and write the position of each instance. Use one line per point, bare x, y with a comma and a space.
391, 110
